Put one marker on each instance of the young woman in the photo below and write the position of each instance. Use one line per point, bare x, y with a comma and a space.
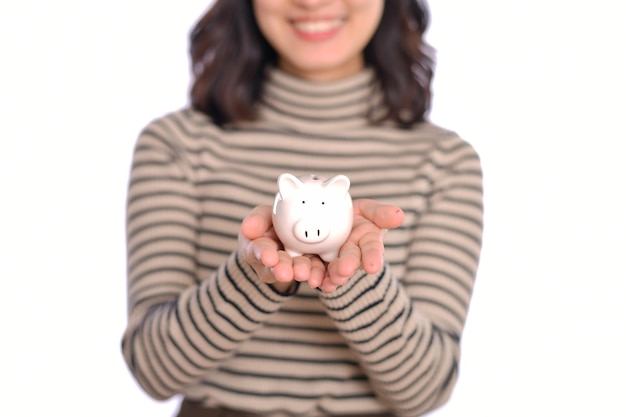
218, 312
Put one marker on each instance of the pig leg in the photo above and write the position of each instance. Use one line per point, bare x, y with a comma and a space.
293, 253
329, 256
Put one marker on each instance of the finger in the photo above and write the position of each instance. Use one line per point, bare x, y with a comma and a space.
283, 270
318, 270
327, 286
265, 274
345, 265
265, 251
372, 251
385, 216
257, 223
301, 268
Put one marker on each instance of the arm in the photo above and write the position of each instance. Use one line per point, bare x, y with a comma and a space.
180, 325
406, 330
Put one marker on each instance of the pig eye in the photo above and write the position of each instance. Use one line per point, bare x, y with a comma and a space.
303, 202
323, 203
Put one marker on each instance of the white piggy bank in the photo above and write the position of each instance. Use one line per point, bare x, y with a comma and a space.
312, 214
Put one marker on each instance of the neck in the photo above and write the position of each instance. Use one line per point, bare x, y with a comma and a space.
319, 105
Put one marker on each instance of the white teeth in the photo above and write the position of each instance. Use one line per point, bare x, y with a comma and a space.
317, 26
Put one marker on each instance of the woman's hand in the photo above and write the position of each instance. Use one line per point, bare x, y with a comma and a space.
263, 251
364, 247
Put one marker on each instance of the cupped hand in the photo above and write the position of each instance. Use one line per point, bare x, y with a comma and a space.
364, 247
264, 252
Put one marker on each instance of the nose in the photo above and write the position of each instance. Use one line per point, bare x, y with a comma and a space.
310, 232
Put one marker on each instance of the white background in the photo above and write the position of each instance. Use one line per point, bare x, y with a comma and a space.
537, 86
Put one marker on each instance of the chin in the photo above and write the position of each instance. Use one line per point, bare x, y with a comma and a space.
323, 70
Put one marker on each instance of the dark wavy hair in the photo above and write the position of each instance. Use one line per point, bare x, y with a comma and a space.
229, 56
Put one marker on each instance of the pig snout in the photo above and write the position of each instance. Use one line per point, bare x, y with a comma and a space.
310, 232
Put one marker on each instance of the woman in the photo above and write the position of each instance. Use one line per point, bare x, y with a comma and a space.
218, 312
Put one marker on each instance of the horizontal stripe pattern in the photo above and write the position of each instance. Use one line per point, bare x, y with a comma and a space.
201, 324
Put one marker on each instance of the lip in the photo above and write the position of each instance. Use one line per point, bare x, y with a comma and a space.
317, 29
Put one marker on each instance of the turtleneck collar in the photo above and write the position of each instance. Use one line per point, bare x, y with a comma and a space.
299, 104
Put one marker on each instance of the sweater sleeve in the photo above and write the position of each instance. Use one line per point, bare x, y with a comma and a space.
406, 330
179, 325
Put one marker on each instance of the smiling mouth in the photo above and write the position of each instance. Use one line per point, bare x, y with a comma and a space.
317, 26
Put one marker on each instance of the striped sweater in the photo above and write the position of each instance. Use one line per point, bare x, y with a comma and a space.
202, 325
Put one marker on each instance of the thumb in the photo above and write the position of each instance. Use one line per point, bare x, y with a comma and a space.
257, 223
385, 216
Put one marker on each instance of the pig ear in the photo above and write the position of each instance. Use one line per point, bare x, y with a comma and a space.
288, 184
340, 183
